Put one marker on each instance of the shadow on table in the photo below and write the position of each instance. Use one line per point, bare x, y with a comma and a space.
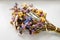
40, 36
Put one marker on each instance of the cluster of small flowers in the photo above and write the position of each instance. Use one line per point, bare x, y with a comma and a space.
28, 18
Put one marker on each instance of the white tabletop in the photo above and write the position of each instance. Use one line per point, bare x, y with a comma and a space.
8, 32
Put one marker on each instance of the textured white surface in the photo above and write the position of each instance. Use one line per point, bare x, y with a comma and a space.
7, 31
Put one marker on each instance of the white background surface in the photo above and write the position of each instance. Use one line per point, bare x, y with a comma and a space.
7, 31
